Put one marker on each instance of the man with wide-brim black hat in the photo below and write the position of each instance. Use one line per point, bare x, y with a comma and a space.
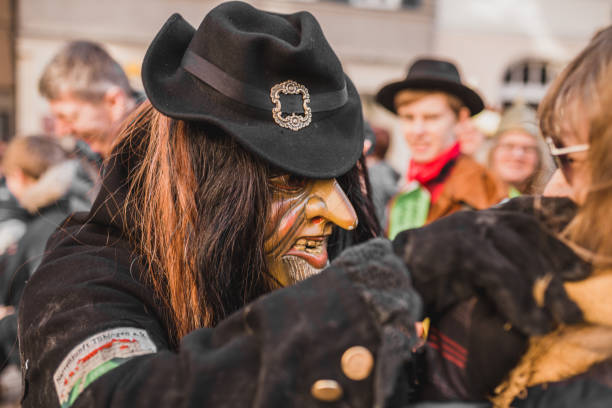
431, 101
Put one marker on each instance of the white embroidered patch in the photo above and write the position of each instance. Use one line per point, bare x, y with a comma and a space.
97, 355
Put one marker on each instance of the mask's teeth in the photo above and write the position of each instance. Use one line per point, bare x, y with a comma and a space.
309, 245
315, 250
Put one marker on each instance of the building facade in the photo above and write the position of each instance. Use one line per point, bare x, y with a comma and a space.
507, 49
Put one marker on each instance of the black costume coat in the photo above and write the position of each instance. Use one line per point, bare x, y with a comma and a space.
268, 354
472, 346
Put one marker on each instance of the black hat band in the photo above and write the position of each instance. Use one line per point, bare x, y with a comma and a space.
234, 89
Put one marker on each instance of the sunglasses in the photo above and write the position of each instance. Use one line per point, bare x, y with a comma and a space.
562, 158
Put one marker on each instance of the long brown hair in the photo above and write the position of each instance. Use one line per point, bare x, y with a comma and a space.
583, 92
197, 205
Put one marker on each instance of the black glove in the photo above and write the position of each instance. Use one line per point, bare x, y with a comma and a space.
385, 285
498, 254
384, 282
554, 213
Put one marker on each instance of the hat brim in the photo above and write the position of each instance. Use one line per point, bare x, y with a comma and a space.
471, 99
327, 148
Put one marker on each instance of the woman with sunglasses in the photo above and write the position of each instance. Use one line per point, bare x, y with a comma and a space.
519, 157
513, 337
572, 366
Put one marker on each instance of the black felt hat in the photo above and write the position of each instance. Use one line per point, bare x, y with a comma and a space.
270, 81
431, 75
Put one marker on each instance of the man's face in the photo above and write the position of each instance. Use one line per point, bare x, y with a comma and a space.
303, 215
429, 126
88, 121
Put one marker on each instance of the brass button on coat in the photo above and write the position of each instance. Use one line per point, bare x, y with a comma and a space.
357, 363
326, 390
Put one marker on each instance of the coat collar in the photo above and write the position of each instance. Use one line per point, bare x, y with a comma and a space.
469, 184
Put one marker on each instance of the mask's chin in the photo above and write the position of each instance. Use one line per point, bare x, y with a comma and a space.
297, 269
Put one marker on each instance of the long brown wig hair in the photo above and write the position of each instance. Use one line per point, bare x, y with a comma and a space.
196, 209
582, 93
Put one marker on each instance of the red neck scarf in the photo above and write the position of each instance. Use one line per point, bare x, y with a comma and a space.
427, 174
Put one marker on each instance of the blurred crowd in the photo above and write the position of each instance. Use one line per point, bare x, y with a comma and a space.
48, 177
458, 161
505, 160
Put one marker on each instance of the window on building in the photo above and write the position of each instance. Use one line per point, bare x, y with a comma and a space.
527, 80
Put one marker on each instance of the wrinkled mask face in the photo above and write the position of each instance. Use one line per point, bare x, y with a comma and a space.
302, 217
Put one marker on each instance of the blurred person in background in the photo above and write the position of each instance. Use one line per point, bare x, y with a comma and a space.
45, 182
383, 177
13, 218
432, 102
13, 221
470, 137
519, 156
475, 137
89, 94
